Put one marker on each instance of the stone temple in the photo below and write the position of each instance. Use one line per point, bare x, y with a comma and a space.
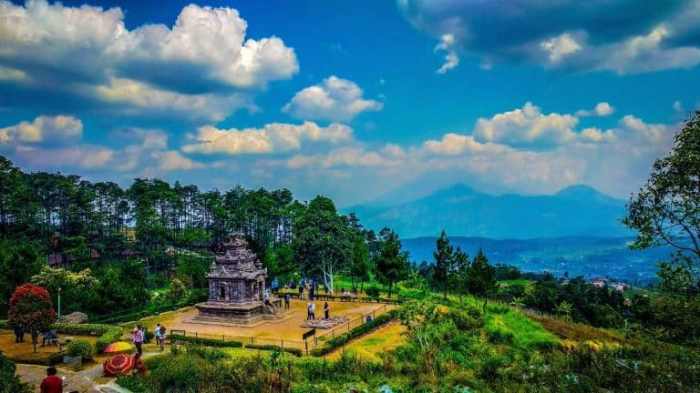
236, 287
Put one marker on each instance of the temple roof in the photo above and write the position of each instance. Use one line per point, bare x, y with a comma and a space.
235, 260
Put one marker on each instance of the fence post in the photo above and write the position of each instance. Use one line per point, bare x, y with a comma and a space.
306, 345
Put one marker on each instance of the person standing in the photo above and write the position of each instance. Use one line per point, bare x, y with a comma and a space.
137, 339
287, 299
308, 311
301, 291
158, 333
52, 383
313, 311
326, 311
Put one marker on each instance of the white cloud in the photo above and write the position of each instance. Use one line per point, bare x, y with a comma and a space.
601, 109
203, 61
447, 45
335, 99
273, 138
141, 98
172, 160
526, 127
559, 47
43, 129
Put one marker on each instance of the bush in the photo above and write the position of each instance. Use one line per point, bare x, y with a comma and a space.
9, 382
80, 348
372, 292
114, 334
500, 336
209, 342
341, 340
83, 329
269, 347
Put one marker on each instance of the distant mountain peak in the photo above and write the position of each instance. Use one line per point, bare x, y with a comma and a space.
577, 210
584, 192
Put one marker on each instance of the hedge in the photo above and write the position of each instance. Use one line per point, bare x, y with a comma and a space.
270, 347
114, 334
32, 358
209, 342
83, 329
343, 339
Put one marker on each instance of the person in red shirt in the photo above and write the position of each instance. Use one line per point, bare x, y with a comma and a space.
52, 383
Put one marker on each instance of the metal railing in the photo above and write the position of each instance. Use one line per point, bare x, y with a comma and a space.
244, 340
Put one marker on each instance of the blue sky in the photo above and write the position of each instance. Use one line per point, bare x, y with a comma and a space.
352, 102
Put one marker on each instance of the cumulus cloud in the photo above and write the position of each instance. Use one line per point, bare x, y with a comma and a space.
615, 160
526, 127
43, 129
44, 144
205, 55
272, 138
560, 47
334, 99
601, 109
615, 35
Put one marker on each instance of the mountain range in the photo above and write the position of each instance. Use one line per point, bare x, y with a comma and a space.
462, 211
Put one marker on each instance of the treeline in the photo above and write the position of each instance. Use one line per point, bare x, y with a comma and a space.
168, 231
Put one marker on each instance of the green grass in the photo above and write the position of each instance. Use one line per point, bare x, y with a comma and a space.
507, 326
520, 282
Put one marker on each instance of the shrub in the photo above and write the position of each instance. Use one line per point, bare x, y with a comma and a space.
114, 334
209, 342
9, 382
372, 292
500, 336
341, 340
80, 348
269, 347
83, 329
132, 383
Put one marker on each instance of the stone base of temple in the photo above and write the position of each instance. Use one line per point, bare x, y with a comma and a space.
237, 314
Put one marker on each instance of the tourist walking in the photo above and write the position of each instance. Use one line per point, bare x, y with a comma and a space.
313, 311
326, 311
19, 333
137, 337
160, 336
52, 383
301, 291
287, 299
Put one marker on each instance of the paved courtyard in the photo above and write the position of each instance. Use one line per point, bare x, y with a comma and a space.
287, 331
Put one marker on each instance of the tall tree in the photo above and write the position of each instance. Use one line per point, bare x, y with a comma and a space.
443, 262
322, 242
666, 210
459, 274
31, 309
481, 278
392, 263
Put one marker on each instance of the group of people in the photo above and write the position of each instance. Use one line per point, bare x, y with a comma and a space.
138, 337
50, 336
311, 311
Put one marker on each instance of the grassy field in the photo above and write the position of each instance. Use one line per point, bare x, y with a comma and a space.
370, 346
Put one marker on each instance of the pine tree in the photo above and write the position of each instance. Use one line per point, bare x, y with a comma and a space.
481, 279
443, 262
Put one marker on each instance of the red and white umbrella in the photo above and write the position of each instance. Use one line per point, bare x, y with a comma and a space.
118, 365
